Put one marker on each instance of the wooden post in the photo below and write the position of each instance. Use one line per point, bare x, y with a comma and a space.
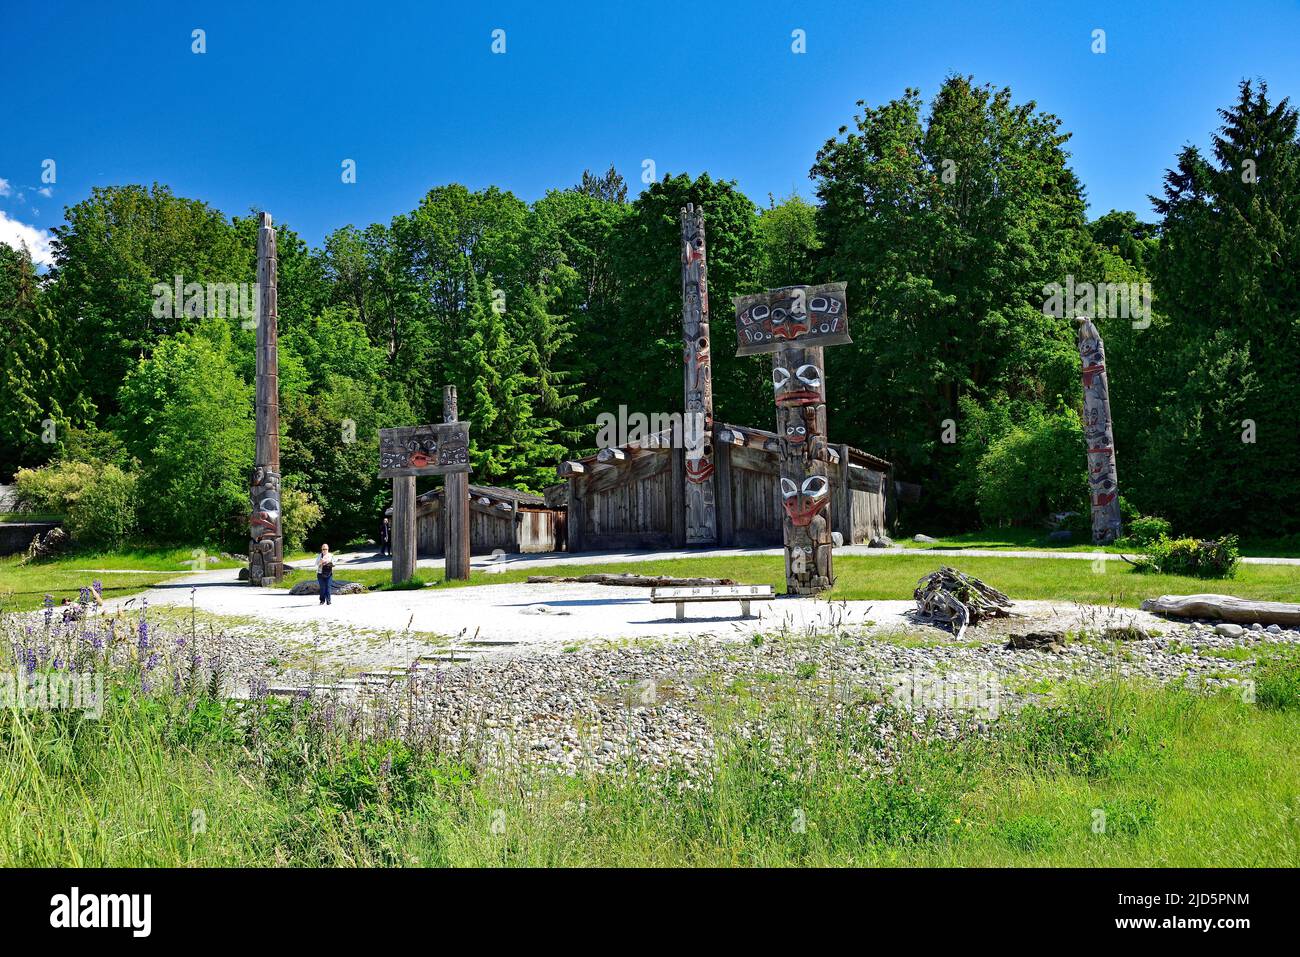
844, 499
799, 383
403, 530
1103, 479
455, 504
697, 432
677, 496
266, 533
574, 518
722, 479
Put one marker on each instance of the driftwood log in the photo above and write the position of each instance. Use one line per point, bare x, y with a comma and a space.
955, 599
1225, 608
637, 581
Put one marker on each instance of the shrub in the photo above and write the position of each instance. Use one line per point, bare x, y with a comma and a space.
97, 500
1198, 558
1147, 529
1034, 470
298, 516
104, 514
50, 488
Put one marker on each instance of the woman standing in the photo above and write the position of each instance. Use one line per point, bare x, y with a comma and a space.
324, 573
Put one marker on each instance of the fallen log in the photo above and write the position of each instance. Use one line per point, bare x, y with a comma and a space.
637, 581
1225, 608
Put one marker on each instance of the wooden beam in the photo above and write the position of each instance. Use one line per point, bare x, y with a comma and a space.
722, 480
1225, 608
570, 468
573, 518
677, 498
611, 455
403, 530
455, 526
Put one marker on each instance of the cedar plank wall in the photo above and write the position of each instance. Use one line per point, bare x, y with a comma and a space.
627, 505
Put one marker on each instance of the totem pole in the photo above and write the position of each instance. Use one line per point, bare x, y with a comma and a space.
697, 434
1103, 479
266, 544
793, 324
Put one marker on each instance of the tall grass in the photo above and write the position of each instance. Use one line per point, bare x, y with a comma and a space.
177, 773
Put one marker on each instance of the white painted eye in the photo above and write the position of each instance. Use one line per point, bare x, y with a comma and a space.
780, 377
810, 375
788, 488
815, 486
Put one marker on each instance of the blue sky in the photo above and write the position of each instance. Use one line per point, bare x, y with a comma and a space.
414, 94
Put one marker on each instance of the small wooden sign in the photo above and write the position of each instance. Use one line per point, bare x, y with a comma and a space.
793, 315
424, 450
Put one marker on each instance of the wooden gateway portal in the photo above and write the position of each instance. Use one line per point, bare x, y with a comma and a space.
441, 449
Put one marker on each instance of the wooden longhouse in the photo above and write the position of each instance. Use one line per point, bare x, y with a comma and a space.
501, 518
634, 496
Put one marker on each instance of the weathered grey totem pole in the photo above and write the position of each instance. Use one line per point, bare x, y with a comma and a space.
793, 324
455, 504
1103, 479
266, 534
697, 431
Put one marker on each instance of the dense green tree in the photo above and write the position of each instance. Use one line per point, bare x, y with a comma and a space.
788, 243
947, 228
642, 351
38, 402
188, 417
1221, 433
114, 247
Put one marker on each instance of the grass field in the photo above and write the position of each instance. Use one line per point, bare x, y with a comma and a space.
24, 587
1114, 775
1036, 539
895, 576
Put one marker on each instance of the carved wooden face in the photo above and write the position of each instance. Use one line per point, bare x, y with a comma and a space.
802, 502
800, 385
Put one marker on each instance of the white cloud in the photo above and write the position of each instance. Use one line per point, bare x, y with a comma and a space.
4, 186
15, 234
46, 191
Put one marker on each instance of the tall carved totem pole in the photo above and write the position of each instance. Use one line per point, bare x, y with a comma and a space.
1103, 479
266, 534
697, 431
794, 323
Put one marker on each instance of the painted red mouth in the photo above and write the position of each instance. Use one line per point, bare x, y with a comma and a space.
789, 330
795, 439
700, 471
418, 460
262, 521
799, 397
804, 516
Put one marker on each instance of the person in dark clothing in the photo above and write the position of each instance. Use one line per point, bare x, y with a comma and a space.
324, 573
385, 536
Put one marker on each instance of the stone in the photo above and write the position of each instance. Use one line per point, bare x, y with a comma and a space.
243, 575
837, 539
1037, 641
1274, 629
1229, 630
1060, 536
339, 587
924, 539
1256, 626
881, 541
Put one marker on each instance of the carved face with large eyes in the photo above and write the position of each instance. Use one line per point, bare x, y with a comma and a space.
788, 316
801, 385
802, 502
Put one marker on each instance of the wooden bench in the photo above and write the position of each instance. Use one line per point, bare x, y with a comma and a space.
741, 593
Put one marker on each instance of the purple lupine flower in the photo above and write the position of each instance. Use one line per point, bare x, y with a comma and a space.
152, 663
98, 586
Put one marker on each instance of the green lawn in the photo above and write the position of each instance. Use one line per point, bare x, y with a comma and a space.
895, 576
1030, 538
24, 587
